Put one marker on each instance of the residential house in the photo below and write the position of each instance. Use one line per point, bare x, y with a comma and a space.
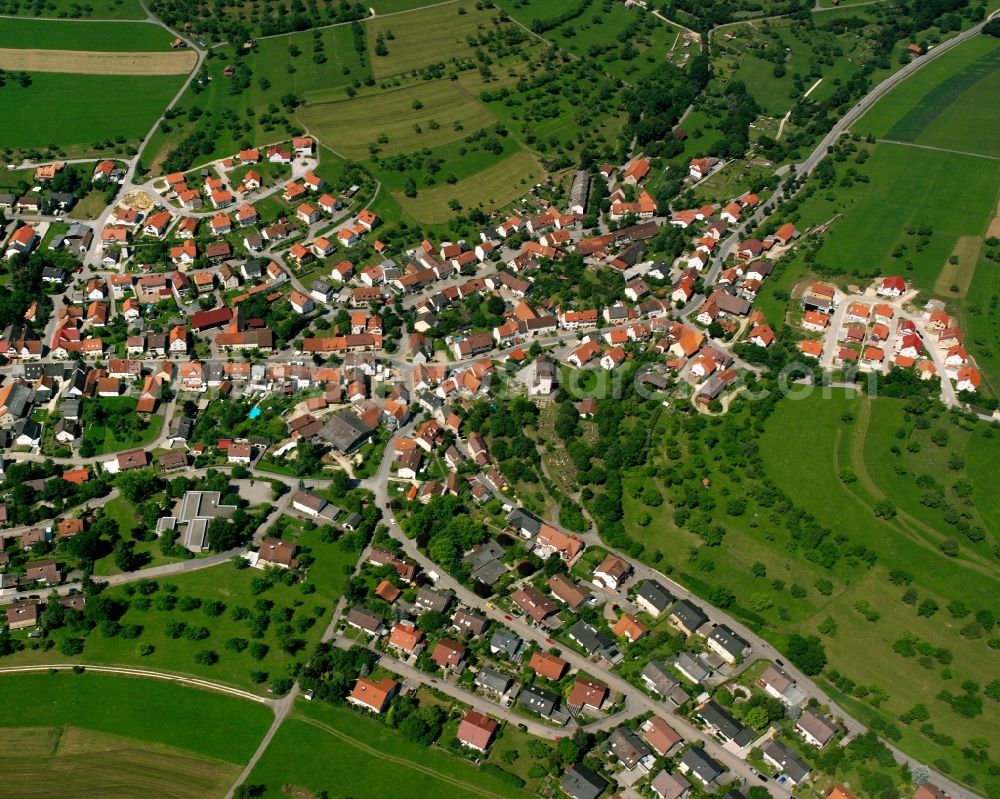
815, 728
630, 750
653, 598
582, 783
476, 731
727, 644
373, 695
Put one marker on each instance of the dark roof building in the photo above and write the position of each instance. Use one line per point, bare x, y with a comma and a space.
582, 783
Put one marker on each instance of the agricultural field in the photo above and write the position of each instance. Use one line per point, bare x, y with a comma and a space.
269, 640
906, 188
91, 63
69, 112
946, 104
421, 38
400, 120
916, 211
106, 37
493, 187
61, 760
339, 738
74, 9
229, 731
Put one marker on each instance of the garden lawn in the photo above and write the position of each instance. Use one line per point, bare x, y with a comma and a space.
338, 739
70, 111
109, 37
351, 125
204, 722
105, 438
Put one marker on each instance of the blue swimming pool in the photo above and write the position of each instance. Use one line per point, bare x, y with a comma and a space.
254, 413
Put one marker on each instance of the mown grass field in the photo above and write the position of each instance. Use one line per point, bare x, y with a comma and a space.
395, 6
223, 583
71, 111
493, 187
73, 9
206, 723
109, 37
908, 187
947, 103
338, 739
460, 159
351, 125
424, 37
63, 761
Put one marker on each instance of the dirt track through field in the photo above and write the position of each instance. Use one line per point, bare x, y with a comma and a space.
994, 230
82, 62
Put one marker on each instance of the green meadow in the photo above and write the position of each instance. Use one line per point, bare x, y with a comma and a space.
906, 188
71, 111
402, 120
73, 9
948, 103
339, 739
835, 458
207, 723
109, 37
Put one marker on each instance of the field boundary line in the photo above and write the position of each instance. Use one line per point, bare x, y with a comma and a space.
166, 676
398, 760
937, 149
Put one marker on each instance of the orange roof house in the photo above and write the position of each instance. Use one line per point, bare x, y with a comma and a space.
373, 694
587, 693
476, 731
548, 666
406, 636
630, 628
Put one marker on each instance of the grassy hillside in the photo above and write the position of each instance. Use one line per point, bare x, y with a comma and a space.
792, 533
